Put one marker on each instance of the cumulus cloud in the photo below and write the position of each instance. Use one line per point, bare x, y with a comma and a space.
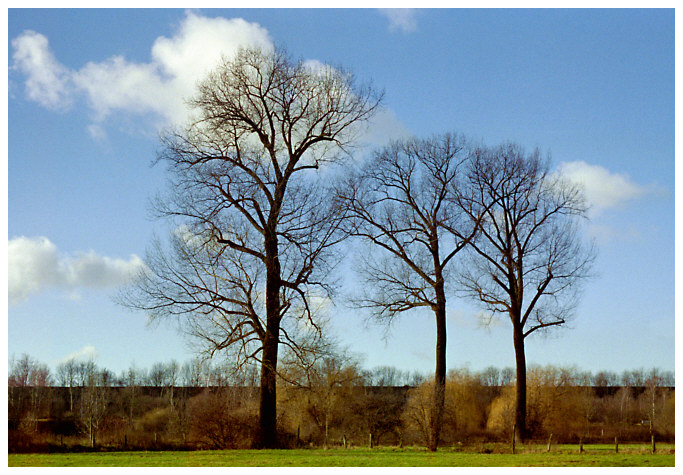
116, 84
35, 264
159, 87
403, 19
47, 81
603, 189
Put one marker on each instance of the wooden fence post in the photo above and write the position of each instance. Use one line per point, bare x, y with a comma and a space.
370, 439
654, 448
616, 445
580, 445
550, 440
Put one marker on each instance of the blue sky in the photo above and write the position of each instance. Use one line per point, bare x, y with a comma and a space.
90, 89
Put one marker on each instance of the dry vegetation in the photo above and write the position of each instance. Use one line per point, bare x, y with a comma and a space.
335, 404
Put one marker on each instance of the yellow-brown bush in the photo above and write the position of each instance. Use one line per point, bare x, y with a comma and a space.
465, 407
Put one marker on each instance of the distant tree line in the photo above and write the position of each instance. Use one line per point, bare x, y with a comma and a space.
330, 402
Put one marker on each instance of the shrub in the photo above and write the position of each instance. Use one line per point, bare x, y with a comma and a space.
223, 419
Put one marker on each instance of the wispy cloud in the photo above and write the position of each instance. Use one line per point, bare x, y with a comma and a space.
604, 234
402, 19
35, 265
604, 189
87, 353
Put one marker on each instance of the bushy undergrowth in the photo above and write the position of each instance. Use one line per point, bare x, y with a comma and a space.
348, 413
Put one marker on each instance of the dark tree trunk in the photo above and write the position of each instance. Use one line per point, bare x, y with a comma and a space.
520, 393
267, 433
436, 420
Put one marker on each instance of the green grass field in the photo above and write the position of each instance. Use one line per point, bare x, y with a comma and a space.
531, 456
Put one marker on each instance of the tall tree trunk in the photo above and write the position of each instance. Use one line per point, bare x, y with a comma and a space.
438, 398
267, 437
267, 434
520, 393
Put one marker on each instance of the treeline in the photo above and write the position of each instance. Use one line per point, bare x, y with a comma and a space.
334, 401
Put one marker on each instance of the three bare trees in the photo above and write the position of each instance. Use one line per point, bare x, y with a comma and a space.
256, 226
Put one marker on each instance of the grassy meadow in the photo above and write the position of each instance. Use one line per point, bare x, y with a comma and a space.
526, 456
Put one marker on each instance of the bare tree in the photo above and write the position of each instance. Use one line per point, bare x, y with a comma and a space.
490, 376
529, 257
84, 371
653, 383
319, 387
132, 381
191, 373
507, 376
257, 224
94, 401
20, 371
28, 381
387, 376
66, 374
401, 202
157, 375
605, 379
633, 378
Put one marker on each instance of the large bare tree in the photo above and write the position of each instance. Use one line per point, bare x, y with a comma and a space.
530, 256
254, 222
402, 202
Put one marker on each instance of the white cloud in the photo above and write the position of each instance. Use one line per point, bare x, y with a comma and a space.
35, 264
603, 189
315, 66
403, 19
116, 84
32, 265
383, 128
161, 86
199, 44
87, 353
47, 80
